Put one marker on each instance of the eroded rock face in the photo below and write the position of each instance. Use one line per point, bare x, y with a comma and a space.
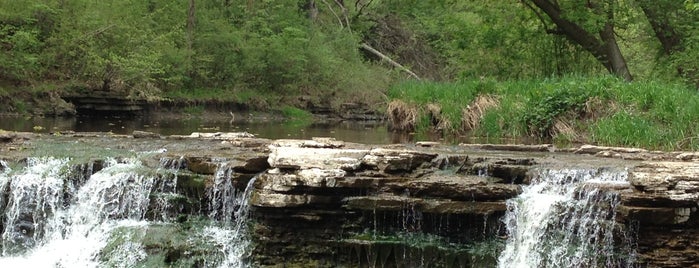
664, 204
342, 190
314, 199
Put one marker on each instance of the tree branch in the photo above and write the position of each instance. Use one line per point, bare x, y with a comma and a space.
335, 14
538, 15
344, 13
389, 60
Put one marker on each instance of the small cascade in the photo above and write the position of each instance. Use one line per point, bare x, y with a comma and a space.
229, 207
46, 230
32, 197
120, 213
560, 222
165, 190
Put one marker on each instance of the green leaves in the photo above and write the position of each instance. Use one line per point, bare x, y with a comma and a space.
545, 109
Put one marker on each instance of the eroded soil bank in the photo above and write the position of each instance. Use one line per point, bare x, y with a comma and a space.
324, 202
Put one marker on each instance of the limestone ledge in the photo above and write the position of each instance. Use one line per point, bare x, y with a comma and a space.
335, 184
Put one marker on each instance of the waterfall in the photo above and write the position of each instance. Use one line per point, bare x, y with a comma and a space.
49, 225
566, 218
230, 207
53, 214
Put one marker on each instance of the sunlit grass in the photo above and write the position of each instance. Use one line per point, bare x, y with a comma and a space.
602, 110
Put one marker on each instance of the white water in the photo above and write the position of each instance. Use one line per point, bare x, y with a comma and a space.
69, 236
52, 221
557, 222
230, 207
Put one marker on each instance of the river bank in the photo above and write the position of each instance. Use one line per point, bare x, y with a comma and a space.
567, 111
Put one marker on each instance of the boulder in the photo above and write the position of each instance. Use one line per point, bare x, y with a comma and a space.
393, 161
322, 158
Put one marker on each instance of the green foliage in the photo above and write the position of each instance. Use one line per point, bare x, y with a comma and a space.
602, 110
146, 50
501, 39
295, 113
547, 105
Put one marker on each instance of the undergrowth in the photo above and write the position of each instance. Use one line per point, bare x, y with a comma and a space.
601, 110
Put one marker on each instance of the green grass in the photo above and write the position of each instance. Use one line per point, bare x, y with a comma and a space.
602, 110
294, 113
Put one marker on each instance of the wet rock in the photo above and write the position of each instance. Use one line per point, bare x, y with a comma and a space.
511, 147
253, 164
6, 137
201, 165
261, 199
509, 170
457, 187
435, 206
144, 134
668, 247
651, 216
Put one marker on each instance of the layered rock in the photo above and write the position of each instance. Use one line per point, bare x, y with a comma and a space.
327, 203
664, 204
320, 195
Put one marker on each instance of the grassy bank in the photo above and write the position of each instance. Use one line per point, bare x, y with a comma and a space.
600, 110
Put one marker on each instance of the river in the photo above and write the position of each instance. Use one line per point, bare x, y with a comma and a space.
370, 132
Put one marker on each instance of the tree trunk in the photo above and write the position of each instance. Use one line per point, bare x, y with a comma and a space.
615, 61
669, 38
191, 12
603, 47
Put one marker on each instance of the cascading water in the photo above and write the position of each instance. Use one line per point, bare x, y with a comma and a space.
52, 217
48, 224
565, 218
230, 207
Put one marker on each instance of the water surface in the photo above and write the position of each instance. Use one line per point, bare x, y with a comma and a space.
370, 132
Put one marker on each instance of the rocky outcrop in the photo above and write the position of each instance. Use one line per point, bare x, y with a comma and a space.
326, 203
663, 204
321, 195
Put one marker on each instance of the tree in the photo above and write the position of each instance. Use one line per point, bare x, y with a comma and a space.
674, 25
589, 24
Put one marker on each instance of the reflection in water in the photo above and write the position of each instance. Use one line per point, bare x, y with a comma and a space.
364, 132
369, 132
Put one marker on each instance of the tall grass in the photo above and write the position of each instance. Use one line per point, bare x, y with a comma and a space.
601, 110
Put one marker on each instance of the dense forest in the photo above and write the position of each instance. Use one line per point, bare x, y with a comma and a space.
329, 52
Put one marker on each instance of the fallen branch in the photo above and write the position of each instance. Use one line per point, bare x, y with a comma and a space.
342, 26
389, 60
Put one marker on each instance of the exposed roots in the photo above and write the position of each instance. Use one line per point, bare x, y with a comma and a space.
474, 112
402, 116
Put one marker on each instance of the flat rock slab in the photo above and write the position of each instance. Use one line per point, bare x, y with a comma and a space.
457, 187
